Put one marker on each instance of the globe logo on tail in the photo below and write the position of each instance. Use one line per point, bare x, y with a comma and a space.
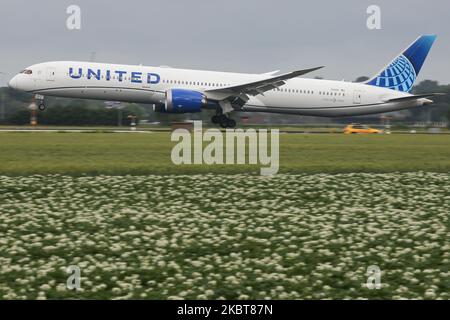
400, 75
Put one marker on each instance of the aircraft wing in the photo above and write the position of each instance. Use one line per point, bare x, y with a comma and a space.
257, 87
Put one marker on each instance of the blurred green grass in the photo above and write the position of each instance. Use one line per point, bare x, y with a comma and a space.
123, 153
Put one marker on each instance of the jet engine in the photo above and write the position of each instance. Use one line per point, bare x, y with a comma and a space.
184, 101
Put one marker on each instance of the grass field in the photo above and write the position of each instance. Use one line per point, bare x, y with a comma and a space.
121, 154
140, 227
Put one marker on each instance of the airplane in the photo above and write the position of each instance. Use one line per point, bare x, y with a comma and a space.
173, 90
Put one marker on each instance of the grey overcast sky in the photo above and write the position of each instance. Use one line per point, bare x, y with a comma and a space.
242, 36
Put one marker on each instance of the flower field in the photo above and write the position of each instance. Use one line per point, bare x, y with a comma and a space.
303, 236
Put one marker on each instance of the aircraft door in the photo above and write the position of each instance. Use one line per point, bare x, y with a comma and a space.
357, 97
50, 74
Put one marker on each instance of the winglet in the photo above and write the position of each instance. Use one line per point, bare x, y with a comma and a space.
305, 71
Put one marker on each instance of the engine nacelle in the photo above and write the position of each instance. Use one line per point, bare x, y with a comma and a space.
184, 101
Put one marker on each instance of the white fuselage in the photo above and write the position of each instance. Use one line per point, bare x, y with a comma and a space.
142, 84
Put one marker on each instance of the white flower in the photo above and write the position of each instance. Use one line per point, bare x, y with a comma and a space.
221, 237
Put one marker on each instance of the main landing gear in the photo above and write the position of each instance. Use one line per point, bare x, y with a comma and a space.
224, 121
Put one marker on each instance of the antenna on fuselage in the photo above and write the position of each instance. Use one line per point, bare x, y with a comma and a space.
93, 56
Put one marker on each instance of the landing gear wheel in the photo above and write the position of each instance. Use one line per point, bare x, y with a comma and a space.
231, 123
224, 123
215, 119
222, 120
41, 106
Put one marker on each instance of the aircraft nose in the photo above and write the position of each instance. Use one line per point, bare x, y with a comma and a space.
13, 83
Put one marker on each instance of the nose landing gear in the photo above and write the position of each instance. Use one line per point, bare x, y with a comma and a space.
40, 102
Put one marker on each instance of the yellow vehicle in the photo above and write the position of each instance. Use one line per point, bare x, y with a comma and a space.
359, 128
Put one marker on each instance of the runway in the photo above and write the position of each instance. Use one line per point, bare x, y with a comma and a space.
148, 131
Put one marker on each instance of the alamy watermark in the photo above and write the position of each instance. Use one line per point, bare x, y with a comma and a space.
374, 20
74, 280
73, 21
373, 274
229, 148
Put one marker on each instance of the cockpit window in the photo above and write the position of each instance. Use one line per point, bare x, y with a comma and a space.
27, 71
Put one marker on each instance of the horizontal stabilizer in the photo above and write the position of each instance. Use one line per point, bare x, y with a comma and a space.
415, 97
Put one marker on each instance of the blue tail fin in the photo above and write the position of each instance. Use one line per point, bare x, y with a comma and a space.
402, 72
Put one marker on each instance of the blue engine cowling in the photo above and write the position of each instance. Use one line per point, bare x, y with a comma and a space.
184, 101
